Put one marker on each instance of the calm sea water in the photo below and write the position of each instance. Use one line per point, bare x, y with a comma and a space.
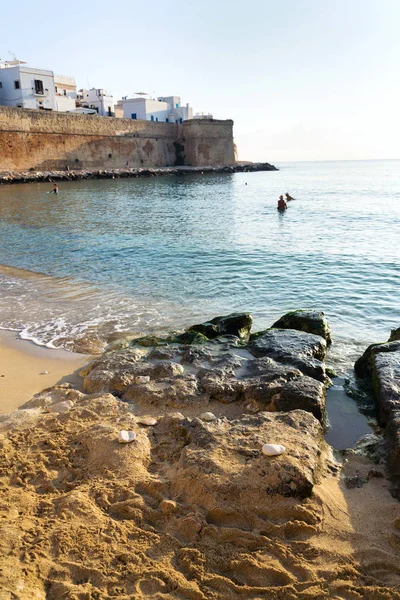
151, 254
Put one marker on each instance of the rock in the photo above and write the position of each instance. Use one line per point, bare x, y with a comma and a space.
219, 386
273, 449
237, 324
116, 372
382, 363
395, 335
53, 395
44, 373
305, 393
224, 466
125, 437
310, 321
188, 338
168, 507
148, 421
177, 392
142, 379
304, 351
60, 407
208, 416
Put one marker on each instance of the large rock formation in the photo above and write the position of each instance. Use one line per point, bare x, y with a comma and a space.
276, 370
380, 363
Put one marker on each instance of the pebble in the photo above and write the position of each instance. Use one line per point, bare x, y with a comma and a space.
142, 379
208, 416
126, 436
273, 449
44, 373
147, 421
168, 506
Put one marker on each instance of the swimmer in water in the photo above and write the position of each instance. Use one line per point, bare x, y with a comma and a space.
281, 204
55, 189
288, 197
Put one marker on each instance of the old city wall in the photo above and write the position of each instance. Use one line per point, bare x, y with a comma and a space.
208, 142
39, 140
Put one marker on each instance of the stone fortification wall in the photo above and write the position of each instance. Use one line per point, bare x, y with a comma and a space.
40, 140
208, 142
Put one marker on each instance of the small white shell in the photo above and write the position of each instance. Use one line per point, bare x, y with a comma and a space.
208, 416
147, 421
273, 449
126, 436
142, 379
44, 373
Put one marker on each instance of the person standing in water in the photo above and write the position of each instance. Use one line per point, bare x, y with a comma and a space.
288, 197
55, 189
281, 204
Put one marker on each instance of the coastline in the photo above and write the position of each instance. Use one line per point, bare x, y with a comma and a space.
22, 364
9, 177
81, 512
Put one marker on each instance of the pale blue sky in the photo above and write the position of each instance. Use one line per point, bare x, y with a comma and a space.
302, 79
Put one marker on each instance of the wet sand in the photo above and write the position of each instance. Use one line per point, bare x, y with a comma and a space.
22, 364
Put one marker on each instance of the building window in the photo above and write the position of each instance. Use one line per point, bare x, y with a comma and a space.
152, 118
157, 119
180, 120
1, 85
65, 92
133, 116
17, 84
176, 105
39, 87
166, 120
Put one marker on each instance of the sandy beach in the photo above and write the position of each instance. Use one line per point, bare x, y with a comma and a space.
183, 512
27, 369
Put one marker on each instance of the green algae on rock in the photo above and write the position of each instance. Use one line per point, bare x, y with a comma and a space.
238, 324
310, 321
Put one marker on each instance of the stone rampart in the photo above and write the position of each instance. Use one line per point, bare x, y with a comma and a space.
39, 140
208, 142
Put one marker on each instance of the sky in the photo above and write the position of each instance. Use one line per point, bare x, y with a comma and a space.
301, 79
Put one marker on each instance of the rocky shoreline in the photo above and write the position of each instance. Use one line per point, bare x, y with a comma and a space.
193, 505
74, 175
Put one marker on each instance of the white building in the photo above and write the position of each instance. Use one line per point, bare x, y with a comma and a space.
163, 109
65, 90
27, 87
98, 100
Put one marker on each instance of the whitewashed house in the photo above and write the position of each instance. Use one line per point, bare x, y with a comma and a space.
65, 91
98, 100
26, 87
166, 109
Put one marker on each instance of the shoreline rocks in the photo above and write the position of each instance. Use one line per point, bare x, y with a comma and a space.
32, 176
274, 370
380, 365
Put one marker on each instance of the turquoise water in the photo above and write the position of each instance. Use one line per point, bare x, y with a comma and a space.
148, 254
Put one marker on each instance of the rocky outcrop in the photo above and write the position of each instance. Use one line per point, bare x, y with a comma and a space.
305, 351
310, 321
223, 460
78, 174
238, 324
380, 363
217, 361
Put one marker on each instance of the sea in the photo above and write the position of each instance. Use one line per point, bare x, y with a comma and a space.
153, 254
